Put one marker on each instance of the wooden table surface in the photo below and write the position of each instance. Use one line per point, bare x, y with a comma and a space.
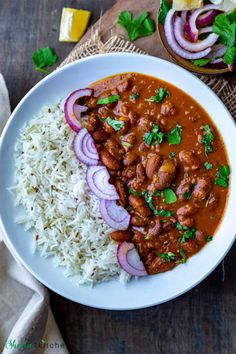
203, 321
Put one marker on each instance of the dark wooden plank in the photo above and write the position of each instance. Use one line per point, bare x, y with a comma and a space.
203, 321
27, 25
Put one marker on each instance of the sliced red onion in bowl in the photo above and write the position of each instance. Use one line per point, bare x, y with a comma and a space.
170, 37
184, 15
187, 45
206, 18
207, 29
98, 181
194, 16
232, 67
217, 64
73, 110
129, 260
217, 51
114, 215
84, 148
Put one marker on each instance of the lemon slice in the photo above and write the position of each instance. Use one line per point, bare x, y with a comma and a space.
180, 5
73, 24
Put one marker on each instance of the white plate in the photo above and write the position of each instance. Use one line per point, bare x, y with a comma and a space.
146, 291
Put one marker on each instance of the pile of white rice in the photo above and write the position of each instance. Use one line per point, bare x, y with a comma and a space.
63, 214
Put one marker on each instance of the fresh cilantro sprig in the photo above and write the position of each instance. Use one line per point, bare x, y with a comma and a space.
208, 166
222, 176
44, 57
154, 137
201, 62
161, 94
141, 26
187, 194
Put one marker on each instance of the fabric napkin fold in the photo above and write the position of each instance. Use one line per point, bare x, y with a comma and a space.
27, 325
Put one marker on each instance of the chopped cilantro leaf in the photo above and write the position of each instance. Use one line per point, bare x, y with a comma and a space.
147, 237
172, 154
134, 96
230, 55
141, 26
178, 226
133, 191
208, 139
190, 234
187, 195
164, 8
183, 255
109, 99
161, 94
154, 137
222, 176
168, 257
209, 238
208, 166
225, 28
169, 196
115, 124
126, 144
174, 137
164, 212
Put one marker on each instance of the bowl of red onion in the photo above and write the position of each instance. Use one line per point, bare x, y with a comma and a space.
200, 39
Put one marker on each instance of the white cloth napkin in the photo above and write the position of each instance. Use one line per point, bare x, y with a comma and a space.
27, 325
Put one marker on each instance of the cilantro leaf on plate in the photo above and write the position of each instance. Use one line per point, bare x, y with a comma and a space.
174, 137
44, 57
201, 62
141, 26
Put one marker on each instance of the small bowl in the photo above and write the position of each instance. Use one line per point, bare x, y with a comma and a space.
186, 63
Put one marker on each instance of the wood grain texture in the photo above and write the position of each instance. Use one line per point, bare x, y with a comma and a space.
203, 321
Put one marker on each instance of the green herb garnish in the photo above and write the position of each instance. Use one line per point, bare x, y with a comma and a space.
164, 212
109, 99
157, 194
168, 257
134, 96
172, 154
150, 201
183, 255
141, 26
164, 8
126, 144
208, 139
154, 137
133, 191
128, 208
115, 124
169, 196
160, 95
201, 62
187, 195
147, 237
225, 26
44, 57
174, 137
190, 234
209, 238
178, 226
222, 176
208, 166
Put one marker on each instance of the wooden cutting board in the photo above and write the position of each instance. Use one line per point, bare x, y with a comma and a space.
107, 26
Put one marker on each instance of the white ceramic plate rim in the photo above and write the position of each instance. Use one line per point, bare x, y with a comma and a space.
165, 286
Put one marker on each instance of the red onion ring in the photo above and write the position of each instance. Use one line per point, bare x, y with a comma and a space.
194, 16
129, 260
114, 215
73, 110
207, 29
98, 181
207, 18
168, 26
84, 148
217, 51
187, 45
217, 64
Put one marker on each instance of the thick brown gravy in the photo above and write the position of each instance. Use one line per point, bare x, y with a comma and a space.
149, 172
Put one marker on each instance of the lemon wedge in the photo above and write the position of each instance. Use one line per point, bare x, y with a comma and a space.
180, 5
73, 24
